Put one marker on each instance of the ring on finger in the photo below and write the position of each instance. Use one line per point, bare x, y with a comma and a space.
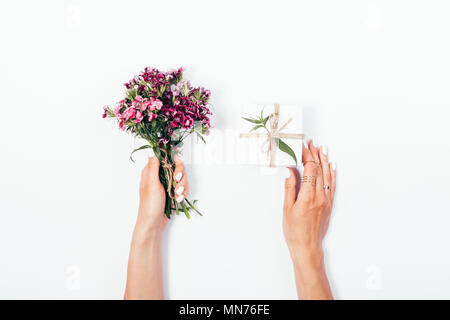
310, 179
326, 187
315, 162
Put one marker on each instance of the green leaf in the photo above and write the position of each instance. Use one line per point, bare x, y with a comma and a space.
184, 90
257, 127
185, 210
265, 120
198, 95
176, 208
140, 148
255, 121
132, 93
157, 153
192, 205
285, 148
168, 207
201, 137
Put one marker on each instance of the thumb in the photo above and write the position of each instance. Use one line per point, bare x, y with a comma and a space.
290, 193
153, 168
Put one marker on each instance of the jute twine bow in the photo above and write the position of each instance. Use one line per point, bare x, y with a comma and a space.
168, 172
269, 146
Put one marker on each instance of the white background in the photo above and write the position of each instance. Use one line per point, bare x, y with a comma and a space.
373, 77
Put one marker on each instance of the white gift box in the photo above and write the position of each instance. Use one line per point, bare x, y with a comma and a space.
286, 124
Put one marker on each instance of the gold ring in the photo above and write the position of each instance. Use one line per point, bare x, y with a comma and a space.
310, 179
317, 163
326, 187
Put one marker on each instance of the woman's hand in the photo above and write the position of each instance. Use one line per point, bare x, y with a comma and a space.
306, 218
153, 196
145, 274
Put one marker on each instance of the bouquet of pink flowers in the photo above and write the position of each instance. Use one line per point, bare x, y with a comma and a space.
162, 109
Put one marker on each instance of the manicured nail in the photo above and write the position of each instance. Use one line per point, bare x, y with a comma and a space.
287, 173
180, 198
333, 165
324, 150
178, 176
314, 142
180, 190
305, 144
150, 153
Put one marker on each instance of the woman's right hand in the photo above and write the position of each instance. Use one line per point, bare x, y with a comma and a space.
306, 218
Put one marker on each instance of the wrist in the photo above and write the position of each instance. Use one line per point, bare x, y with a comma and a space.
149, 218
310, 273
307, 259
146, 233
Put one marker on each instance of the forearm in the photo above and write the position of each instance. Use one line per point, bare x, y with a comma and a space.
310, 275
144, 276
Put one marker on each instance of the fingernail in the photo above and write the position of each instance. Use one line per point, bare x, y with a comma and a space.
287, 173
333, 165
314, 142
305, 144
150, 153
180, 190
180, 198
178, 176
324, 150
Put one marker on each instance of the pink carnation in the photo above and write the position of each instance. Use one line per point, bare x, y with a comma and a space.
145, 105
128, 114
122, 125
188, 122
155, 104
117, 110
158, 104
138, 117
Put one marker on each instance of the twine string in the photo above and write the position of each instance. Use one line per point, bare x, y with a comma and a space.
168, 172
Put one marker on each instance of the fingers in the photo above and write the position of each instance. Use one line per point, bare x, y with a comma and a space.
309, 173
179, 175
323, 155
290, 194
319, 182
306, 154
313, 151
152, 169
332, 169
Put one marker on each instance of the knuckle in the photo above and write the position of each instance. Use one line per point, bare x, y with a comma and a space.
309, 198
321, 204
153, 161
